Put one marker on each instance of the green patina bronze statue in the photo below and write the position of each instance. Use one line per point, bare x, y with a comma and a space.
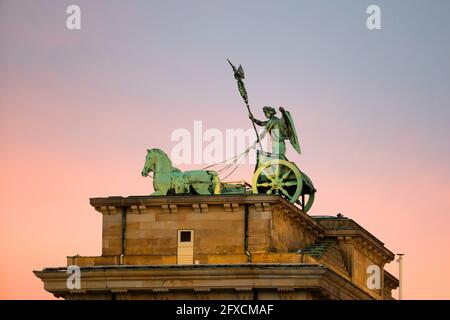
168, 180
274, 173
279, 129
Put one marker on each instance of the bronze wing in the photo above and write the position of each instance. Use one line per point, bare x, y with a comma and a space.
289, 130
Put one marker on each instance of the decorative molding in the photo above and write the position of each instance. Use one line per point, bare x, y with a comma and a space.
389, 284
283, 212
285, 289
231, 207
169, 208
244, 293
243, 276
118, 290
77, 291
302, 226
202, 293
262, 206
294, 219
326, 295
370, 251
161, 293
286, 293
202, 290
243, 289
200, 208
138, 209
112, 209
106, 209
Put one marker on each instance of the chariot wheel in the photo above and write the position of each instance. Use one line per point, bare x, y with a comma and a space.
278, 176
306, 203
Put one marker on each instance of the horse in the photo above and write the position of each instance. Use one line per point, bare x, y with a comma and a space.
168, 180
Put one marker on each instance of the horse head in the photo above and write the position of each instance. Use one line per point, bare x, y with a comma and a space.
156, 160
149, 163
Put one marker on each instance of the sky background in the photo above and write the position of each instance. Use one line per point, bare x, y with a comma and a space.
79, 108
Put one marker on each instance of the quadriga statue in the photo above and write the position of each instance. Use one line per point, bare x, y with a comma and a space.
169, 180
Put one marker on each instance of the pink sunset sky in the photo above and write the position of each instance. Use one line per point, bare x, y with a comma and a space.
79, 108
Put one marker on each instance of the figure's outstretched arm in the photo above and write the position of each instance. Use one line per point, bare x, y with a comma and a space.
262, 135
258, 122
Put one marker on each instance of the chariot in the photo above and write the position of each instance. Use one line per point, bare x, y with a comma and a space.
276, 175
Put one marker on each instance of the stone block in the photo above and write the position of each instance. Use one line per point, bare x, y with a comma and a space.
111, 247
150, 259
226, 258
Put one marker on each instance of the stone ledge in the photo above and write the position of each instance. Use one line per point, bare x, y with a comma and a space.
201, 203
160, 279
210, 259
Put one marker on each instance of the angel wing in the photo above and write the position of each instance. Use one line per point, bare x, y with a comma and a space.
289, 130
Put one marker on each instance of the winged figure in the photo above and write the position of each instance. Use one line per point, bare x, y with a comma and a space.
279, 129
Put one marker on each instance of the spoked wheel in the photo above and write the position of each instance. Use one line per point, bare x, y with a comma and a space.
278, 177
308, 193
306, 201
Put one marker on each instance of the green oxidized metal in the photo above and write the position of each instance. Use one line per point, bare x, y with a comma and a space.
274, 173
168, 180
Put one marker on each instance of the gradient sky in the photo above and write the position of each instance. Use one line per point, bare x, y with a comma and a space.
79, 108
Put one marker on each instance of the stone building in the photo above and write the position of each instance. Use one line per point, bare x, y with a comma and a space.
225, 247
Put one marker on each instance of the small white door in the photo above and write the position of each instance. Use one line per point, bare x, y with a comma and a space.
185, 252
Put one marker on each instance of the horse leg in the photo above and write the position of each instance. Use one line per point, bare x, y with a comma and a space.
161, 188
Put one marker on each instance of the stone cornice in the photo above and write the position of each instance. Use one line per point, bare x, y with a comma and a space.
347, 230
303, 222
235, 276
231, 203
119, 201
390, 282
